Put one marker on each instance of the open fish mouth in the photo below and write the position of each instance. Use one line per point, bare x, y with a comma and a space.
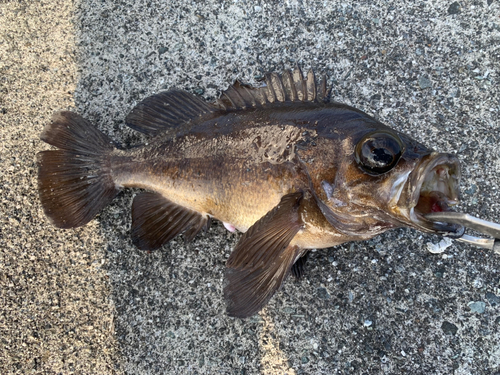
435, 182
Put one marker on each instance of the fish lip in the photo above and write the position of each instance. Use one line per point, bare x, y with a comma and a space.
435, 181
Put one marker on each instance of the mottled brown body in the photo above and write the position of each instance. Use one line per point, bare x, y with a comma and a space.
196, 174
238, 170
280, 163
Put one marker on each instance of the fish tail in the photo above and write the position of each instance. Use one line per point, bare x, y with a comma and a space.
74, 181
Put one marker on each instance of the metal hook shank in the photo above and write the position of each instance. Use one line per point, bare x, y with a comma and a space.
469, 221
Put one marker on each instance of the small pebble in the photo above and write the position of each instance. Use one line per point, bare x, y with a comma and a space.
477, 307
477, 283
323, 293
492, 299
439, 272
455, 92
455, 8
256, 319
440, 246
471, 190
449, 328
350, 296
424, 82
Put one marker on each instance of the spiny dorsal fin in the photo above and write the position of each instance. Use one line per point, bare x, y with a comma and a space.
166, 110
289, 87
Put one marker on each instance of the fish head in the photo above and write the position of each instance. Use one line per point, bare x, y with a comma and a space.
383, 179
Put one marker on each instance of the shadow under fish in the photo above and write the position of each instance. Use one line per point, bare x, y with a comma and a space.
281, 163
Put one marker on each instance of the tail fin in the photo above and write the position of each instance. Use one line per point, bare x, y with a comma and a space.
74, 182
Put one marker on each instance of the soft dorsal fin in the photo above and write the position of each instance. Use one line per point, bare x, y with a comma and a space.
166, 110
291, 86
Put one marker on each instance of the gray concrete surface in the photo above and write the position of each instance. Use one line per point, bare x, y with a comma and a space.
56, 316
86, 301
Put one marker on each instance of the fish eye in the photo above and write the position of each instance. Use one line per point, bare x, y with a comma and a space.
378, 152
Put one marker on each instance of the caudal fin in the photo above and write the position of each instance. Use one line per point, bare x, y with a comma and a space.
74, 182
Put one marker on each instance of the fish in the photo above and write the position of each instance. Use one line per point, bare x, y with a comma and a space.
281, 163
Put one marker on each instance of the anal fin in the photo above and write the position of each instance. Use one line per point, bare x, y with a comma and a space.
156, 220
262, 258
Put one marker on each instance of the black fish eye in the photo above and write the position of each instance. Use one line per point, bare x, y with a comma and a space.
378, 152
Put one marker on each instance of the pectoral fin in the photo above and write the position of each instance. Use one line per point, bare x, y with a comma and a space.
156, 220
262, 258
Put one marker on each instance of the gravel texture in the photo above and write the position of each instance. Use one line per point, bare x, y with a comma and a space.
86, 301
56, 314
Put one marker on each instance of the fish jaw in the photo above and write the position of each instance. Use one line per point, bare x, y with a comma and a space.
432, 186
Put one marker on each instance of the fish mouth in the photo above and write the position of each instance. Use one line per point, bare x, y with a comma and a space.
434, 188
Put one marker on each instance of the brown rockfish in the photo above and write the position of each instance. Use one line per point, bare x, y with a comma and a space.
280, 163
